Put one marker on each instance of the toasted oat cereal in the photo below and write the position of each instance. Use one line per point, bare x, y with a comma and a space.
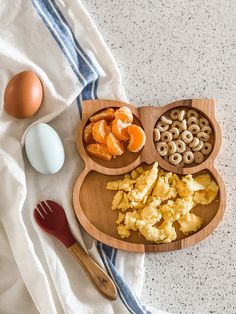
162, 148
166, 137
187, 137
181, 146
203, 136
162, 127
166, 120
156, 135
188, 157
174, 114
198, 157
172, 147
192, 113
175, 158
207, 147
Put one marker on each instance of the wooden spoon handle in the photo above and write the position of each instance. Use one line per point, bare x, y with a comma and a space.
101, 281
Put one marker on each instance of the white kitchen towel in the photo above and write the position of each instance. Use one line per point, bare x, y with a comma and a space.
58, 41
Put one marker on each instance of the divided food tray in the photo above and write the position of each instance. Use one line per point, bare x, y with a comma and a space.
92, 201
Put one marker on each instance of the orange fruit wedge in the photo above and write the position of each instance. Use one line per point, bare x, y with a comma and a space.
100, 131
107, 114
119, 130
88, 134
99, 150
124, 114
137, 138
114, 146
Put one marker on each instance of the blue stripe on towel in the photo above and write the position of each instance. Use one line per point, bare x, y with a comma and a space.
88, 92
110, 253
71, 34
88, 76
127, 296
95, 89
63, 35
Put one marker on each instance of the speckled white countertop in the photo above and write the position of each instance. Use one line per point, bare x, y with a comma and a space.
168, 50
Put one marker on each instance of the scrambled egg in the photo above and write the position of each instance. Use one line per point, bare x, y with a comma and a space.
153, 201
164, 188
165, 233
120, 201
144, 184
124, 185
189, 223
209, 192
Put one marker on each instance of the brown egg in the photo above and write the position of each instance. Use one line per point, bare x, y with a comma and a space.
23, 95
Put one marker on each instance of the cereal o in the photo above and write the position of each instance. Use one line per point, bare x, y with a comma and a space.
162, 127
207, 129
203, 136
181, 146
187, 137
194, 143
166, 120
188, 157
182, 115
166, 137
156, 135
203, 122
199, 146
193, 120
177, 124
172, 147
207, 147
162, 148
174, 114
198, 157
175, 158
174, 132
194, 129
184, 125
192, 113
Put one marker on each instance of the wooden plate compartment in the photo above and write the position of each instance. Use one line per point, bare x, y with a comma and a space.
92, 202
200, 110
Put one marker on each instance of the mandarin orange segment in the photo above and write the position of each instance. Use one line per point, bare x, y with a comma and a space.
99, 150
88, 134
119, 130
100, 131
124, 114
137, 138
107, 114
114, 146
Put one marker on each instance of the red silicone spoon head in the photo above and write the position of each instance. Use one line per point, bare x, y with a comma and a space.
51, 217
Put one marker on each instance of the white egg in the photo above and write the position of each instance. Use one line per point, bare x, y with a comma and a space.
44, 149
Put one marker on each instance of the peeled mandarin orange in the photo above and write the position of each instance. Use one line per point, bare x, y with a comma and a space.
124, 114
119, 130
88, 134
114, 146
100, 131
99, 150
137, 138
107, 114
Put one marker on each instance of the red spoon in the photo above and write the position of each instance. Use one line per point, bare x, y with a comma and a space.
51, 217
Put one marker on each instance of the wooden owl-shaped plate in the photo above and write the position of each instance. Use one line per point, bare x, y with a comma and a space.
92, 201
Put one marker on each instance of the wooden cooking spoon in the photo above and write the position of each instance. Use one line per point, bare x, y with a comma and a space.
51, 217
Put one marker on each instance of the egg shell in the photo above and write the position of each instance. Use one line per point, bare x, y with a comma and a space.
44, 149
23, 95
